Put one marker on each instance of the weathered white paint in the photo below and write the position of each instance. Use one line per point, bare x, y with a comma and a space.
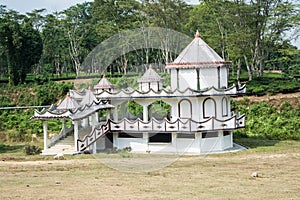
223, 77
227, 141
45, 130
187, 79
75, 135
208, 78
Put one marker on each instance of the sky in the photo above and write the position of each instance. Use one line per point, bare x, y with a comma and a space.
51, 6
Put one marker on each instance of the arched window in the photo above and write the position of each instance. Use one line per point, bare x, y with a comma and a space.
224, 107
185, 109
209, 108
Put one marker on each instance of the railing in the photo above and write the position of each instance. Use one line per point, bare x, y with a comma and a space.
61, 135
178, 126
166, 126
96, 134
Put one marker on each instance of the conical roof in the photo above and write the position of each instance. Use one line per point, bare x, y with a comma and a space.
67, 104
197, 54
88, 98
104, 84
150, 76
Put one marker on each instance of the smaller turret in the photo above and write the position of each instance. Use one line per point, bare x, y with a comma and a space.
104, 85
150, 80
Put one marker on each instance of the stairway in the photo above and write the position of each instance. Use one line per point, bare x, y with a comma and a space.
66, 145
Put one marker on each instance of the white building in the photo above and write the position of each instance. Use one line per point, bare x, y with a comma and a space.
200, 118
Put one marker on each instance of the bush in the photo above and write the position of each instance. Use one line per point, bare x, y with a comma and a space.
270, 122
32, 150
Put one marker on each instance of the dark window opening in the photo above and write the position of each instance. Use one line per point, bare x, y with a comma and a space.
226, 133
209, 134
130, 135
160, 137
186, 135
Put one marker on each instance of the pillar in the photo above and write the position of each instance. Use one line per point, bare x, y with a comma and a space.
97, 118
75, 135
45, 134
85, 122
116, 114
145, 113
221, 139
94, 148
64, 127
107, 114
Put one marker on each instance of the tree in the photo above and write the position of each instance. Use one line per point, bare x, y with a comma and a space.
244, 31
20, 44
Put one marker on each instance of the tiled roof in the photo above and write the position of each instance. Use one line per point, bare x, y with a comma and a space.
150, 76
104, 84
197, 54
67, 103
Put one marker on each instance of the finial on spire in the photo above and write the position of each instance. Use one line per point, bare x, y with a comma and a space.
197, 35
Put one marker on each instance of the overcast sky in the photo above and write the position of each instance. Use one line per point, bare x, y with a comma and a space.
24, 6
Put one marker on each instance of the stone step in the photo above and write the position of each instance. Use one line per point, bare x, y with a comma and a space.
66, 145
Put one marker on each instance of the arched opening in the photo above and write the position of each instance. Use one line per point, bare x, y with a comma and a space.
133, 110
185, 109
159, 110
224, 107
209, 108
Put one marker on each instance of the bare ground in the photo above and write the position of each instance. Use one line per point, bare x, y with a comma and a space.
226, 176
276, 100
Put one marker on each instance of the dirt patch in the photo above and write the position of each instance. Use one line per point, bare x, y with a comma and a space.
275, 100
192, 177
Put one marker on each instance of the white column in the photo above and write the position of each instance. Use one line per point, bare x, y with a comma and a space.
107, 114
198, 137
231, 139
95, 148
45, 134
96, 117
116, 113
93, 121
115, 138
64, 127
85, 122
221, 138
75, 135
145, 113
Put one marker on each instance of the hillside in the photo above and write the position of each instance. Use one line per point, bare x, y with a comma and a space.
274, 100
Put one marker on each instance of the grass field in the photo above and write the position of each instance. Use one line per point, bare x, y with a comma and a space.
222, 176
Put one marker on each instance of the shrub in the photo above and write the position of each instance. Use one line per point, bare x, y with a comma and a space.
32, 150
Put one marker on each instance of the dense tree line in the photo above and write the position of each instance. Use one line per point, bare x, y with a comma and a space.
249, 33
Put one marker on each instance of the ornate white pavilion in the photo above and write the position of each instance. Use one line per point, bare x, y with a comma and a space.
200, 118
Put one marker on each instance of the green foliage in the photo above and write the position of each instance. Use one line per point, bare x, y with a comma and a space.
134, 108
4, 148
270, 122
32, 150
263, 86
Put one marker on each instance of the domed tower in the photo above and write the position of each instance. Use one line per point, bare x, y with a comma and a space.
104, 85
150, 80
198, 67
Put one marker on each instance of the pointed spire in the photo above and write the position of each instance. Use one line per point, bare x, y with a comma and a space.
197, 35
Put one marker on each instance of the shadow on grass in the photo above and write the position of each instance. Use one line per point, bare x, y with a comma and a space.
255, 142
4, 148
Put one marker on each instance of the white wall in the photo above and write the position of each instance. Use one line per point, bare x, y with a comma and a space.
156, 86
211, 144
177, 146
208, 78
187, 79
223, 77
173, 74
227, 141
